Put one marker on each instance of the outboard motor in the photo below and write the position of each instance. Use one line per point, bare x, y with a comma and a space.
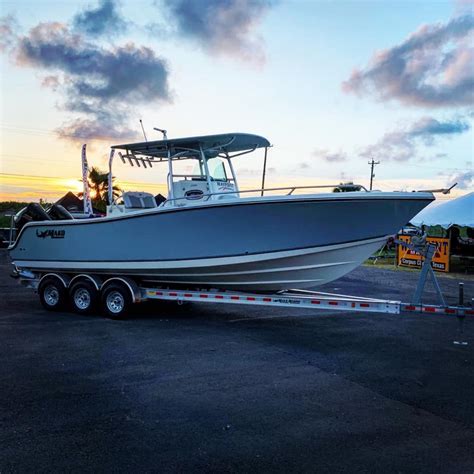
31, 213
159, 199
59, 213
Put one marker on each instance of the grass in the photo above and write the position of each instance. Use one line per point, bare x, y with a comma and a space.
389, 265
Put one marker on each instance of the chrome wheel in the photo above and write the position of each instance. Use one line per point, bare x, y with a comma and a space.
82, 299
115, 302
51, 295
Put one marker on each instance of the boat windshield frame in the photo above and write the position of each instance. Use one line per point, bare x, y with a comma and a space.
224, 146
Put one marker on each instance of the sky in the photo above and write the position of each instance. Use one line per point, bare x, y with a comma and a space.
331, 84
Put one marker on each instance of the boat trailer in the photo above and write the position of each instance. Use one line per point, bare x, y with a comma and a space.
117, 294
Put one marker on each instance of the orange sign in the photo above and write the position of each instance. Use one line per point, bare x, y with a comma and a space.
410, 258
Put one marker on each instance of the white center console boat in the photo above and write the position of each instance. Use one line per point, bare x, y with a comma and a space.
208, 233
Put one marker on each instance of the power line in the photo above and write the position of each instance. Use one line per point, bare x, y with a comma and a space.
31, 176
40, 131
34, 158
436, 167
38, 177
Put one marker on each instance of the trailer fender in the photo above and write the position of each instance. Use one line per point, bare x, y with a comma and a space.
64, 279
96, 281
129, 283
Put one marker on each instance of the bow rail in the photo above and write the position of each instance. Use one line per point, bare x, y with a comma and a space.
291, 189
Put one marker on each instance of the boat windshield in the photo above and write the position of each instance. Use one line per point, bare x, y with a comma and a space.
217, 169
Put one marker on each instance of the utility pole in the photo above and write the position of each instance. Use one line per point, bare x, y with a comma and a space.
372, 175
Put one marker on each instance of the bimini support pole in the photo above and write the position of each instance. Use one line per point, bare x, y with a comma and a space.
264, 170
170, 175
86, 197
110, 179
206, 168
234, 176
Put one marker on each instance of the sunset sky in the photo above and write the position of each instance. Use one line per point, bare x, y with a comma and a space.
331, 84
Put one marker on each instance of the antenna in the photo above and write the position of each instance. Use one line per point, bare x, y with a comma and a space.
164, 132
143, 130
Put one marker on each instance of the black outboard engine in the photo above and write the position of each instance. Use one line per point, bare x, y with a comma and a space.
159, 199
31, 213
59, 213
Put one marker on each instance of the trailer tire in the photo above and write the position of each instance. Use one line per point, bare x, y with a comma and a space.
52, 294
116, 300
84, 297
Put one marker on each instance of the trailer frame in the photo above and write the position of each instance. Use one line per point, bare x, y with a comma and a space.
125, 291
303, 299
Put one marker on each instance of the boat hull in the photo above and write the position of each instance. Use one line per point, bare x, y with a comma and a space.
268, 244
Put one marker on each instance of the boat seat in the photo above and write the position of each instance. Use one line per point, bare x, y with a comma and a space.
138, 200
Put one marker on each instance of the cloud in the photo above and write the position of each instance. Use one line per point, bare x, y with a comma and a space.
463, 6
109, 127
433, 67
428, 128
402, 144
331, 157
8, 36
51, 82
105, 20
102, 85
464, 179
222, 27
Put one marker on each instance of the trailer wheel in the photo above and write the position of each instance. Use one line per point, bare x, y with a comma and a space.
116, 300
52, 294
84, 297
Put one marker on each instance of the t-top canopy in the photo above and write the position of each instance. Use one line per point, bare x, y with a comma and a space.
212, 145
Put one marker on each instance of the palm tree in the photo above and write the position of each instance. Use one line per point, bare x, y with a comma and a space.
99, 186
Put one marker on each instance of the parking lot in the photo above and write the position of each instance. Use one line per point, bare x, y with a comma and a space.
199, 387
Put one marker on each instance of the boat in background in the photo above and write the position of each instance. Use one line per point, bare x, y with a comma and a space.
208, 233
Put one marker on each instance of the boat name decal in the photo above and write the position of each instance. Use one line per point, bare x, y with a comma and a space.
54, 234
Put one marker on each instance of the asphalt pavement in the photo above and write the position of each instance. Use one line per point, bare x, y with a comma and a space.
218, 388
